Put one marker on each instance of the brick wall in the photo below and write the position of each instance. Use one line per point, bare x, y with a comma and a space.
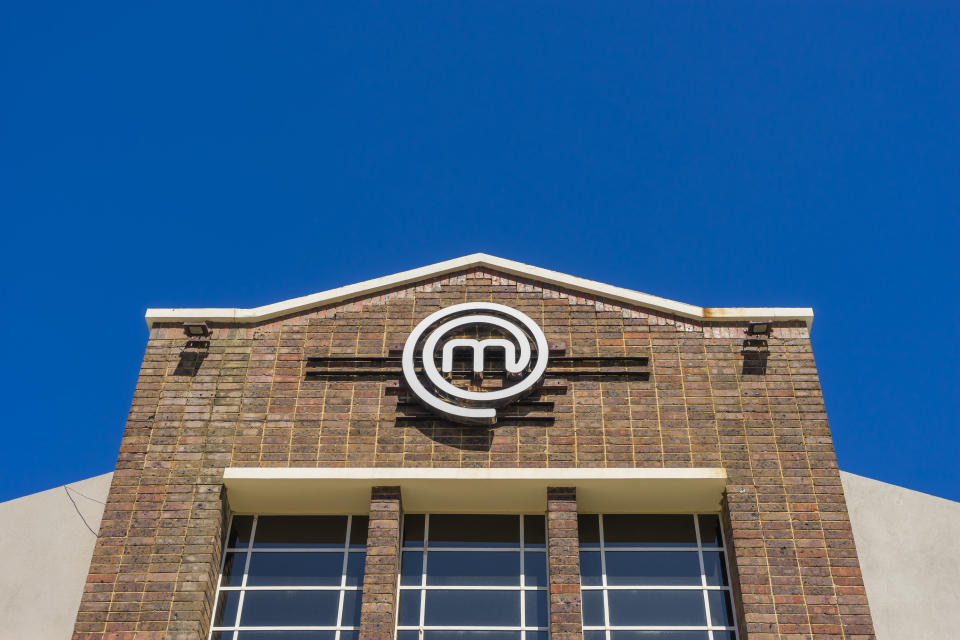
711, 400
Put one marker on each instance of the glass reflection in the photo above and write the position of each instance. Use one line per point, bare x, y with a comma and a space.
290, 608
536, 609
534, 532
409, 608
588, 529
591, 568
449, 530
655, 608
660, 635
649, 530
654, 568
351, 609
233, 566
240, 531
227, 604
715, 568
295, 569
300, 531
470, 568
592, 606
465, 608
535, 569
710, 534
721, 611
411, 568
436, 634
356, 563
288, 635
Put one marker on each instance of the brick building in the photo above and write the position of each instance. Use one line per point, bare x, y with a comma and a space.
663, 471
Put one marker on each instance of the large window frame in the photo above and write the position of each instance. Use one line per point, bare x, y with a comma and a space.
525, 631
713, 631
231, 632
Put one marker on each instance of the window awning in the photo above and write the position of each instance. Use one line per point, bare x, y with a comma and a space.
455, 490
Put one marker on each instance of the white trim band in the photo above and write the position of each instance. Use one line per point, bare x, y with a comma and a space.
370, 287
347, 490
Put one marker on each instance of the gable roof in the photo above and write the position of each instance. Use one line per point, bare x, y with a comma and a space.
369, 287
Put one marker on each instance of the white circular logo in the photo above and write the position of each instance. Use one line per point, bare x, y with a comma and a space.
460, 404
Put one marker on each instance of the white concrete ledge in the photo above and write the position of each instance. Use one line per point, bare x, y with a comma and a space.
562, 280
347, 490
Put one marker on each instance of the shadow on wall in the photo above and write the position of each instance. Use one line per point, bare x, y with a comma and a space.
193, 354
755, 353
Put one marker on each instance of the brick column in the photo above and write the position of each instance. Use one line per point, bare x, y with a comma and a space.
378, 611
563, 564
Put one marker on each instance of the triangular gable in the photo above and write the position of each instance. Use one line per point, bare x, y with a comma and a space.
478, 260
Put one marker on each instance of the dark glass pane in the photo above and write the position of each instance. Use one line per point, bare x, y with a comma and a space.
233, 569
591, 568
473, 568
534, 531
436, 634
588, 529
301, 531
413, 530
409, 608
473, 608
594, 635
448, 530
351, 609
240, 531
721, 611
724, 635
300, 569
411, 568
535, 569
346, 634
654, 608
358, 532
715, 568
592, 603
221, 635
408, 635
538, 635
659, 635
654, 568
537, 609
290, 608
288, 635
227, 603
710, 534
673, 530
355, 565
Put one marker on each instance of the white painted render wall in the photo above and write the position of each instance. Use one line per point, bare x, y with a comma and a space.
908, 542
46, 542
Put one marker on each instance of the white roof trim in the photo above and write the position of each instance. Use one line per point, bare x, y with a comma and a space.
368, 287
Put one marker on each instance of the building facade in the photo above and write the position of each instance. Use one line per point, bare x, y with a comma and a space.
644, 469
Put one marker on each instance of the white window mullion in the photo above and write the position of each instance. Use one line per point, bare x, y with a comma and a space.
343, 577
423, 574
703, 575
522, 593
243, 583
603, 578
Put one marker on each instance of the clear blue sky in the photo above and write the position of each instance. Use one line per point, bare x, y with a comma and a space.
237, 154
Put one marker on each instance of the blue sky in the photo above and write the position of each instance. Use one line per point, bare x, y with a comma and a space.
236, 154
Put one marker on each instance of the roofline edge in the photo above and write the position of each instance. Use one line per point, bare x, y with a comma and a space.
332, 296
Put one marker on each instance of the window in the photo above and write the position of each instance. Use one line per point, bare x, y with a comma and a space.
473, 577
654, 577
291, 578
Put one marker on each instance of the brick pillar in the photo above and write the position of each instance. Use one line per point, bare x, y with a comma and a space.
378, 611
563, 564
